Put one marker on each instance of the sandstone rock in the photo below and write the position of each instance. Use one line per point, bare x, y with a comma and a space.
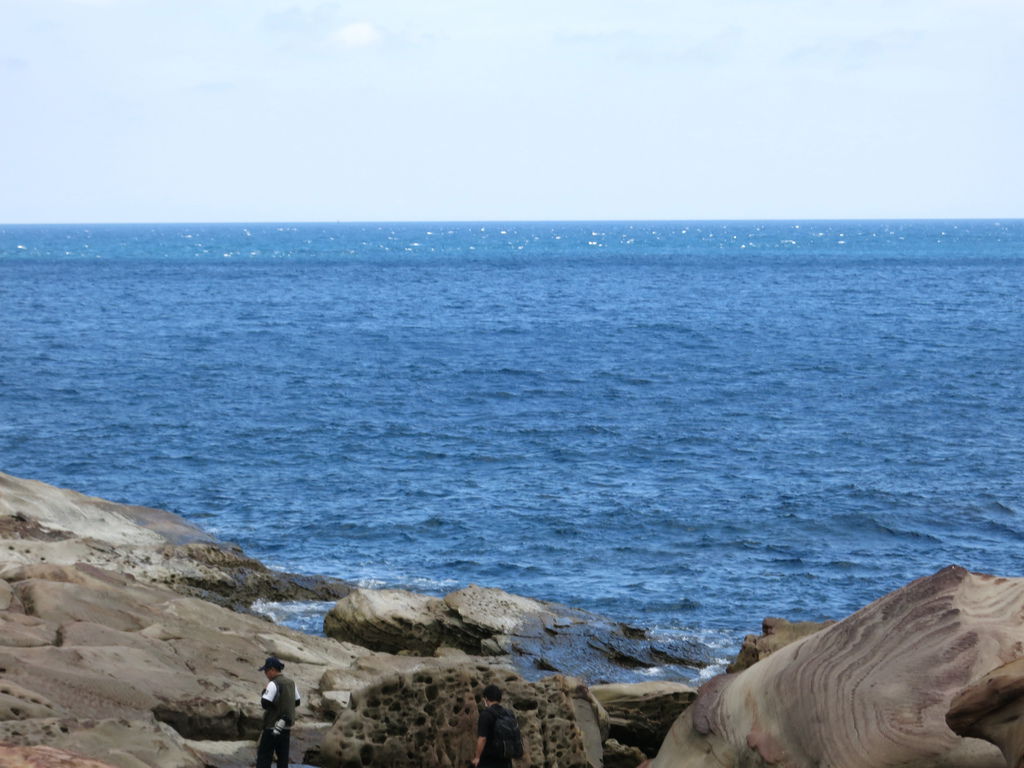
395, 620
140, 743
116, 663
992, 708
306, 739
869, 692
17, 703
107, 648
107, 651
618, 755
775, 633
641, 714
40, 523
12, 756
539, 637
592, 722
230, 754
83, 516
224, 575
427, 719
19, 630
389, 620
485, 612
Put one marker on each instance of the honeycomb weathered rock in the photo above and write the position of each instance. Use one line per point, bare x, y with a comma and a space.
427, 719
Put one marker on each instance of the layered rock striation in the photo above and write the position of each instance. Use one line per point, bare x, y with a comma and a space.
875, 689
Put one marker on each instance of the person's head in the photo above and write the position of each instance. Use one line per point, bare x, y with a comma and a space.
492, 693
272, 667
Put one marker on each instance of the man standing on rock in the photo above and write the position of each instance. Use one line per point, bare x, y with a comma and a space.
489, 743
279, 700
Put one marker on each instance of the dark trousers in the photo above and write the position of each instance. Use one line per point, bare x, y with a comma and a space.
271, 745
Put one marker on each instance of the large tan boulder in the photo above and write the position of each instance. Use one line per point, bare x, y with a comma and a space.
775, 633
389, 620
641, 714
869, 692
474, 619
428, 718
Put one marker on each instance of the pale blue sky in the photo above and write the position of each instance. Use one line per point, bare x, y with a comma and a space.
313, 110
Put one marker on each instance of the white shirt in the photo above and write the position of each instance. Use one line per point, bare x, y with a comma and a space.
270, 693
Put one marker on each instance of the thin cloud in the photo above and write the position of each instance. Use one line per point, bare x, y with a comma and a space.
13, 64
360, 34
854, 53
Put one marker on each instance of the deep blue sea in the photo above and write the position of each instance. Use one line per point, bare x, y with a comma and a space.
685, 425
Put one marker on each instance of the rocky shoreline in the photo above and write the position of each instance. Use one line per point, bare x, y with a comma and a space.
127, 639
128, 636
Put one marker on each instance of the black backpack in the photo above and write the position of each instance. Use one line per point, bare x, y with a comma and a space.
508, 742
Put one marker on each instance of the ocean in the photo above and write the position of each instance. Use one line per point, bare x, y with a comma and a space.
687, 426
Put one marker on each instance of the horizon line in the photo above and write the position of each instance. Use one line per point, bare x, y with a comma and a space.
373, 222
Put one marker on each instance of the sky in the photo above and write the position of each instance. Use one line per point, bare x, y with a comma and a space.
479, 110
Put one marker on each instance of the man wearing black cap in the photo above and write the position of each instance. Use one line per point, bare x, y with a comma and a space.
279, 700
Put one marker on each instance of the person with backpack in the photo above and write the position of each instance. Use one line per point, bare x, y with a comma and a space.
498, 740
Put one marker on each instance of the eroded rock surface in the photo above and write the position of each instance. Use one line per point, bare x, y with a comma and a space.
869, 692
427, 719
641, 714
12, 756
538, 637
618, 755
43, 523
992, 708
106, 652
775, 633
106, 647
136, 743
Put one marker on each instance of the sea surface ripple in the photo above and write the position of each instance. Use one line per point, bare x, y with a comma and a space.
684, 425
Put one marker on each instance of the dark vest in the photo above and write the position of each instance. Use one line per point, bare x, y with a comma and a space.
283, 705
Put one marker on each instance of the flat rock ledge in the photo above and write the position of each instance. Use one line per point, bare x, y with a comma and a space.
40, 523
